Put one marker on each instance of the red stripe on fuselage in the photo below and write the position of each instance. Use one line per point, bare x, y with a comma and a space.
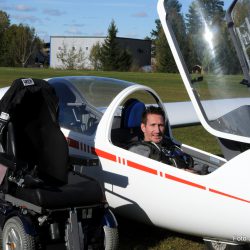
103, 154
227, 195
174, 178
141, 167
75, 144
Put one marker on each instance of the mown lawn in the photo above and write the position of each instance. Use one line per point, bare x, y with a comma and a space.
170, 88
169, 85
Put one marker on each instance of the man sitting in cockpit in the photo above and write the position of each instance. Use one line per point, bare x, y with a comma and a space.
157, 146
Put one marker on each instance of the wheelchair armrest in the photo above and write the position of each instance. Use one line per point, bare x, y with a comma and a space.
77, 165
88, 162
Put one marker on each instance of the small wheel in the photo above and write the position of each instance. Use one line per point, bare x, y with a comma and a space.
111, 238
15, 237
216, 245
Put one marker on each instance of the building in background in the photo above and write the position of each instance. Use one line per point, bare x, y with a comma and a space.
140, 49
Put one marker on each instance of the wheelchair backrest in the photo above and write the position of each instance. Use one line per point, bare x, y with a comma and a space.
36, 137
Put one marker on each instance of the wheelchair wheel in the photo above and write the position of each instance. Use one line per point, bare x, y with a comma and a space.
111, 238
15, 237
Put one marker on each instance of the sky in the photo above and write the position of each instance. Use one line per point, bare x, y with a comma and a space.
133, 18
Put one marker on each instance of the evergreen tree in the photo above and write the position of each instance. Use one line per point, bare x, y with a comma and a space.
155, 35
112, 57
164, 59
125, 60
110, 49
203, 17
213, 10
195, 30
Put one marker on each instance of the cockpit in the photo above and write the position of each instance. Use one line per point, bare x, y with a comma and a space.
82, 101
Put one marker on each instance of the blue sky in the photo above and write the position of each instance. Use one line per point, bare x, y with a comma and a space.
133, 18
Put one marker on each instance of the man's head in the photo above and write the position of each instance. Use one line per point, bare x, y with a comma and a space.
153, 124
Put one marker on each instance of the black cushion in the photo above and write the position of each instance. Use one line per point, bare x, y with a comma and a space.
84, 193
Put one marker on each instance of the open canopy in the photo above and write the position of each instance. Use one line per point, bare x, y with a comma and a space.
202, 42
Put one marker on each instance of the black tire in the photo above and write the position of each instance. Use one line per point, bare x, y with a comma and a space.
15, 237
111, 238
223, 246
1, 236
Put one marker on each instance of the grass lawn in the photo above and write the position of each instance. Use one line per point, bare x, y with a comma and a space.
134, 235
168, 86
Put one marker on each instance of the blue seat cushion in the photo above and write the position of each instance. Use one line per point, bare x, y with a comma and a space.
133, 114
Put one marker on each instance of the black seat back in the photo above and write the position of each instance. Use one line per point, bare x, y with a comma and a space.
34, 136
39, 140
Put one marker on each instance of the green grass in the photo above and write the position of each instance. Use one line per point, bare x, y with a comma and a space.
170, 85
170, 88
197, 137
138, 236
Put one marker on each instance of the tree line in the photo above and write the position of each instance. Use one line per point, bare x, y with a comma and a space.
19, 43
189, 30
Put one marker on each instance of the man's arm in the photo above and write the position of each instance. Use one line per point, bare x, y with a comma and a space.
140, 149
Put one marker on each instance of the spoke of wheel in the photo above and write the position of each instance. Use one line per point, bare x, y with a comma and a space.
14, 241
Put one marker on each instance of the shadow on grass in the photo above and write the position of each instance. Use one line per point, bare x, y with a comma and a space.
137, 236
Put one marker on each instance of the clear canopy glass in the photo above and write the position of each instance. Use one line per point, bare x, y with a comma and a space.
96, 91
211, 61
84, 99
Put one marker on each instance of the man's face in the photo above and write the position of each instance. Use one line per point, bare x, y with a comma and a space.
154, 128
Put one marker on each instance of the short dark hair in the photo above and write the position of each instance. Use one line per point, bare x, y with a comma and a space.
152, 110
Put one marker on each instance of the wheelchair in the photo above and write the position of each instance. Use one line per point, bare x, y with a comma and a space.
39, 207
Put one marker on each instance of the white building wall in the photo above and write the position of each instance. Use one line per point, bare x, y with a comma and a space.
85, 43
140, 49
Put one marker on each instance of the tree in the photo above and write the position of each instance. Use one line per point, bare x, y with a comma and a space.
110, 49
4, 21
204, 17
163, 55
161, 50
155, 35
195, 30
125, 60
71, 58
112, 57
95, 56
213, 10
20, 42
4, 25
